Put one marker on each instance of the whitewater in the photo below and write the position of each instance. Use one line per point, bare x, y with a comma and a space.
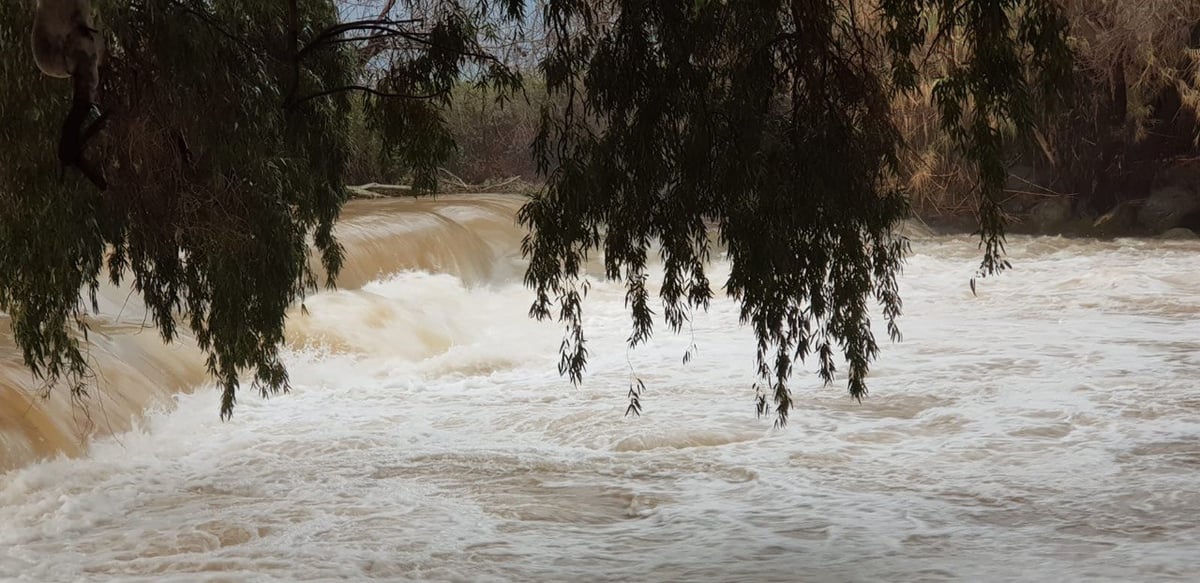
1045, 429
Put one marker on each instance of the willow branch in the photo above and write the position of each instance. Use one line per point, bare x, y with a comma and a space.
374, 48
208, 21
371, 91
293, 49
378, 24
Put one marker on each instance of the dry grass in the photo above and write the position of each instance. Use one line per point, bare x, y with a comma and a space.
1135, 107
937, 179
494, 138
1147, 46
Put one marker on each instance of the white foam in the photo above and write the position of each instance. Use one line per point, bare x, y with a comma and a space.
1044, 430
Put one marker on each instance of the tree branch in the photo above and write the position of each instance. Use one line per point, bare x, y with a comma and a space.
208, 21
293, 52
370, 90
382, 24
374, 48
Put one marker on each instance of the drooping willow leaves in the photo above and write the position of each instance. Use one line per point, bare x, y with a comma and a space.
771, 123
225, 152
767, 121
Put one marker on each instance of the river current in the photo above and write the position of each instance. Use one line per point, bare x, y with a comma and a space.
1045, 429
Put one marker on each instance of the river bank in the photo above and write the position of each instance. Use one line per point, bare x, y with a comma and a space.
1168, 207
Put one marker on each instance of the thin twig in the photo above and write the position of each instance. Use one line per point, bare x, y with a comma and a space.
365, 89
207, 20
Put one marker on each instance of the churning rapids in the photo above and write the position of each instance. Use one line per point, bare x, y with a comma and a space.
1046, 429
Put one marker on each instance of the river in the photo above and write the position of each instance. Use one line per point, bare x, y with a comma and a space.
1046, 429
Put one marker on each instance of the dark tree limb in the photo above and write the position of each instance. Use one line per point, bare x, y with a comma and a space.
370, 90
373, 48
74, 137
210, 23
293, 52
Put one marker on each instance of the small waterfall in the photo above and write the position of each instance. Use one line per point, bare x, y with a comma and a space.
473, 237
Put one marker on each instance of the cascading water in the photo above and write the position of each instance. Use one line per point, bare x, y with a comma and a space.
1044, 430
475, 239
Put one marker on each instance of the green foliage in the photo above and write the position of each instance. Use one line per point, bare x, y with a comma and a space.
1136, 107
772, 121
1010, 45
226, 157
368, 159
493, 138
414, 131
216, 188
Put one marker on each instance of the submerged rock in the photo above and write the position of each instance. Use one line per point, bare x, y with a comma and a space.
1179, 233
1121, 220
1167, 208
1050, 213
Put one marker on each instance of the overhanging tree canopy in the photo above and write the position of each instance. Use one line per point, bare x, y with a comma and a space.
770, 120
225, 154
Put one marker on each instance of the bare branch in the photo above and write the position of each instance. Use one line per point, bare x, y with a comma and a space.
373, 48
370, 90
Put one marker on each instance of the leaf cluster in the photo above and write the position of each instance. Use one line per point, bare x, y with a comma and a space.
226, 155
765, 128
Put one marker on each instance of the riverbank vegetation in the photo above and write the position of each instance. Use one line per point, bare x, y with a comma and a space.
802, 131
1128, 128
